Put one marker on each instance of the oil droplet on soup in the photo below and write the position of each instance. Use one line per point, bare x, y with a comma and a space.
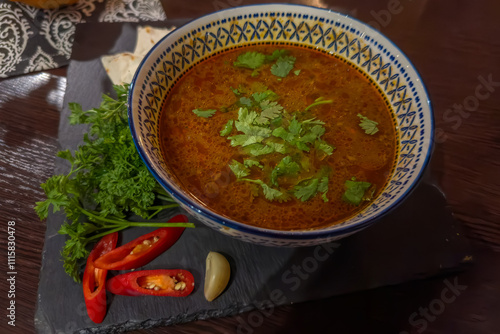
198, 156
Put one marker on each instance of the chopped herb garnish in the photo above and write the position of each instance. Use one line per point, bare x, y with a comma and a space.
270, 110
276, 54
324, 147
239, 169
309, 188
245, 102
283, 66
355, 191
250, 163
317, 102
285, 167
264, 127
251, 60
297, 72
368, 125
271, 194
204, 113
226, 130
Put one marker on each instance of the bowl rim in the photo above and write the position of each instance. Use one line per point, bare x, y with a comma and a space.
327, 231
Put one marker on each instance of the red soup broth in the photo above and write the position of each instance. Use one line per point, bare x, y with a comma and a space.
198, 156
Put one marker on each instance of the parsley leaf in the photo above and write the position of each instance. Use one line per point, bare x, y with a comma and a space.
226, 130
239, 169
355, 191
204, 113
251, 60
283, 66
297, 72
368, 125
106, 184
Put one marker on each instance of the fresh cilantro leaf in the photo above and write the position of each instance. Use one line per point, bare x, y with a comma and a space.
270, 110
306, 190
295, 127
285, 167
235, 91
246, 117
271, 194
245, 124
226, 130
276, 54
244, 140
277, 122
283, 66
277, 147
323, 188
355, 191
204, 113
280, 132
239, 169
250, 163
251, 60
265, 95
317, 102
369, 126
313, 121
323, 146
297, 72
258, 149
245, 102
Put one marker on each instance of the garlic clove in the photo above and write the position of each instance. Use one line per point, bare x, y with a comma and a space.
217, 275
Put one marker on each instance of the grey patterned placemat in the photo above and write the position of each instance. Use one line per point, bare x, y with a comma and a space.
33, 39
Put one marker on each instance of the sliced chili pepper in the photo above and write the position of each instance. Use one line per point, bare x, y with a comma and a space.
144, 249
159, 282
94, 279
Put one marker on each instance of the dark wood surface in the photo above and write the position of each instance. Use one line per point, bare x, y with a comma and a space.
454, 45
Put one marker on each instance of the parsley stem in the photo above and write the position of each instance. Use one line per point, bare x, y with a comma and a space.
160, 208
97, 236
153, 224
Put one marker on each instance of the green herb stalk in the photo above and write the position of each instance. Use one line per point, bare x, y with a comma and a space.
107, 183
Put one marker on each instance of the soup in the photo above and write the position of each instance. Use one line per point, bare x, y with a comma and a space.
277, 137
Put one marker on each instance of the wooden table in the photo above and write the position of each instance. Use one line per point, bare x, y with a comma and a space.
456, 48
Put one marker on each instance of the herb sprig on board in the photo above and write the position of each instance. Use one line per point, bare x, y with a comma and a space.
107, 183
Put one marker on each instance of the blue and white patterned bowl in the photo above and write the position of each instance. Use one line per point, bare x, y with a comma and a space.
353, 41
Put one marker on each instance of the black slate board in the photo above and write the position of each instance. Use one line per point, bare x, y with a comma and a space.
419, 239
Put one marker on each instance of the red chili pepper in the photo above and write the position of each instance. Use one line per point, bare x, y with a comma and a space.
142, 250
160, 282
94, 279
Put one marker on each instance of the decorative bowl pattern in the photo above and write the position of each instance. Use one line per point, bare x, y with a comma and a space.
345, 38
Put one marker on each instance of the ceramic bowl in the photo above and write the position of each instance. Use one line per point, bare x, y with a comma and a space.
348, 39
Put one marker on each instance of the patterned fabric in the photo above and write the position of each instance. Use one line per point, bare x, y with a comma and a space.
33, 39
